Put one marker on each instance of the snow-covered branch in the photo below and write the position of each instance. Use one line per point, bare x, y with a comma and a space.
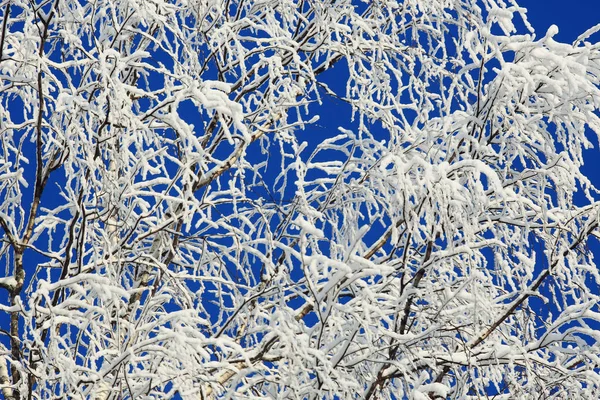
295, 199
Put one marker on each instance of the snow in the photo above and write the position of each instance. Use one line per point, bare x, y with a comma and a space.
202, 233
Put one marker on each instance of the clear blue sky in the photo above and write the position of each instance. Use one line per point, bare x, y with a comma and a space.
573, 17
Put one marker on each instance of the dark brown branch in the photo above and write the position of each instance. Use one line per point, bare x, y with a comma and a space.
4, 25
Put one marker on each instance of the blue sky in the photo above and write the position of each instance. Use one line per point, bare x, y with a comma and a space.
572, 17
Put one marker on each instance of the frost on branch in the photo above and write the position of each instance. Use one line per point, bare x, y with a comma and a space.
176, 224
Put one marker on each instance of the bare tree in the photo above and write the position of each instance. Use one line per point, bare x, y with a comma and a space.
175, 223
